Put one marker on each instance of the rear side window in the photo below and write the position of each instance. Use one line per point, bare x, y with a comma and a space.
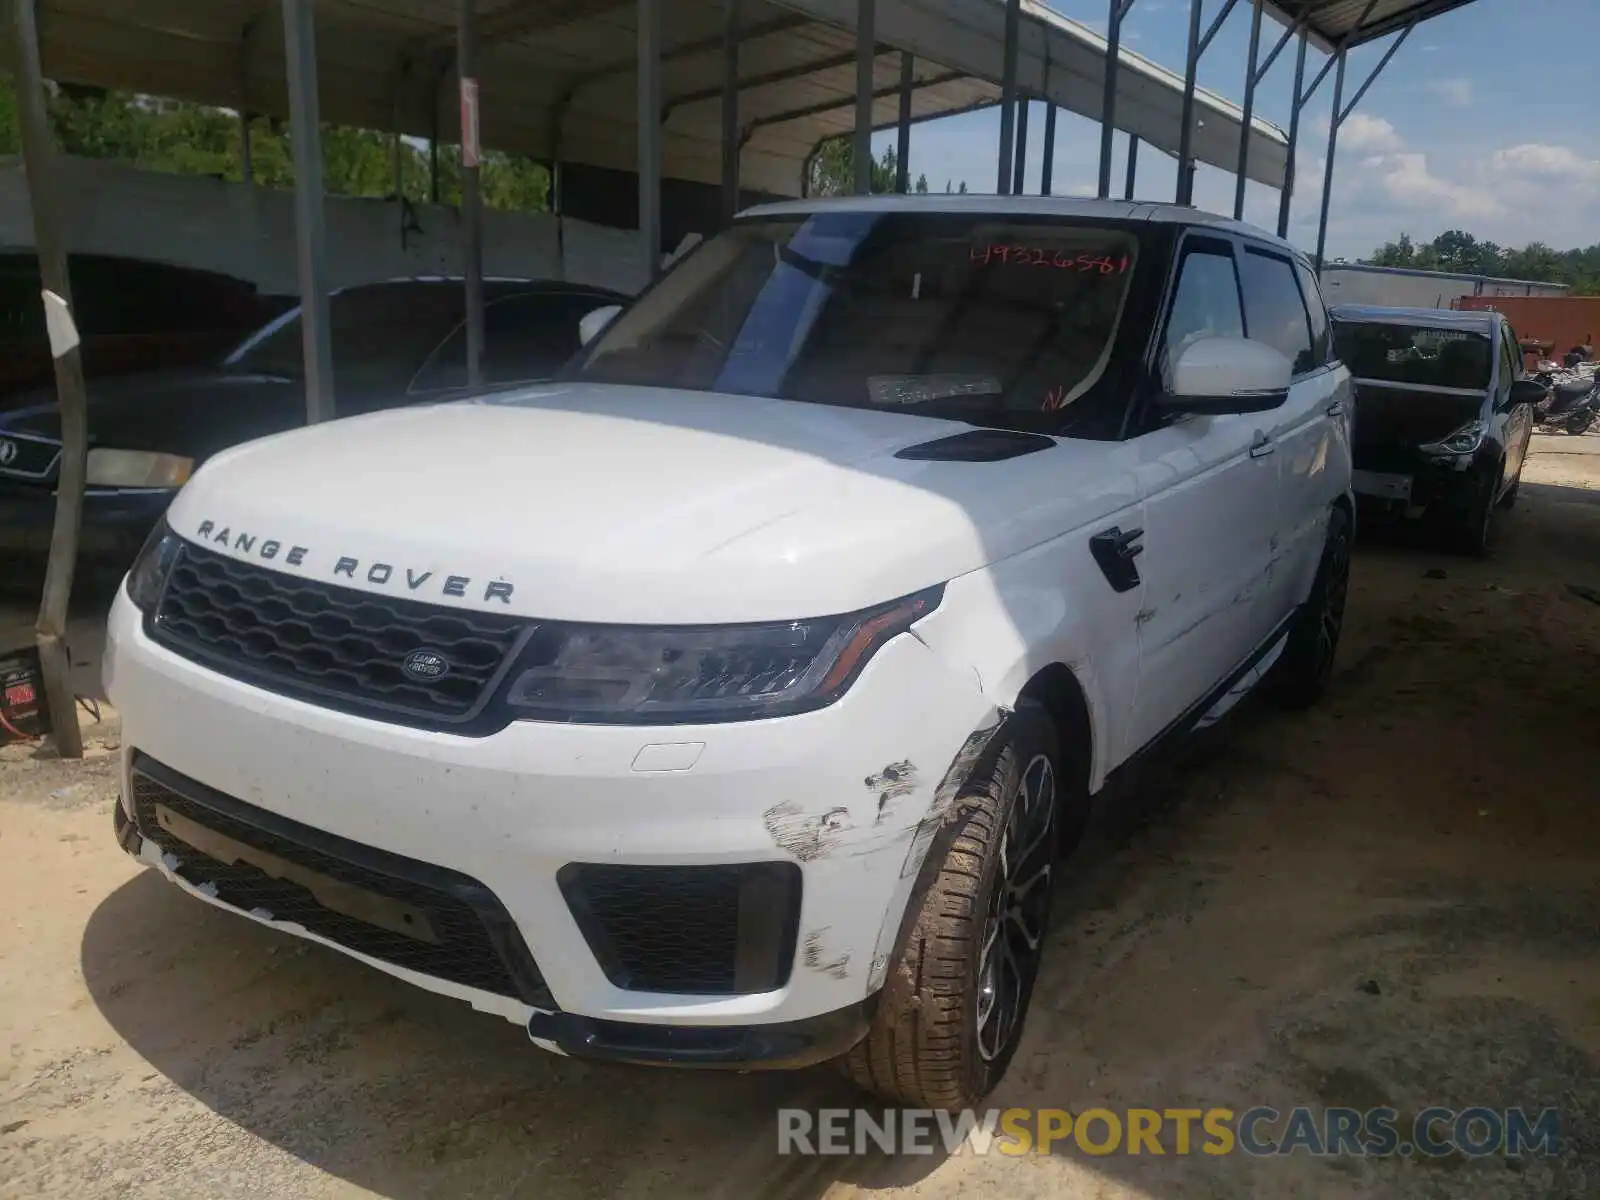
1317, 310
1275, 312
1206, 303
1509, 363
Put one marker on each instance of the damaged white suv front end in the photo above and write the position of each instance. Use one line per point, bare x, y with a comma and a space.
729, 702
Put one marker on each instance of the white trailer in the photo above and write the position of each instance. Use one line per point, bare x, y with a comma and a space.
1401, 287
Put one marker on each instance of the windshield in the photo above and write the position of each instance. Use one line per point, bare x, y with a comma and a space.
380, 334
985, 319
1415, 354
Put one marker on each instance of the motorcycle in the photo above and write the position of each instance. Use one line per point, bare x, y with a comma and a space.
1572, 403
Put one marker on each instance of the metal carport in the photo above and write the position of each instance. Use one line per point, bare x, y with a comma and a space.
732, 92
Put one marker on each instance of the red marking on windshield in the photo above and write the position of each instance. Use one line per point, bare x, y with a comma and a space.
1041, 256
1055, 398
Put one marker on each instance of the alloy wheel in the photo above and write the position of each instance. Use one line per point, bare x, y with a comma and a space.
1334, 594
1013, 931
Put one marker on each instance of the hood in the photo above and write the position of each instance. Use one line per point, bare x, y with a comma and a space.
194, 412
638, 505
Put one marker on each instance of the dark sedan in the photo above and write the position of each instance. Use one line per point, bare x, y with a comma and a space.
396, 343
1443, 415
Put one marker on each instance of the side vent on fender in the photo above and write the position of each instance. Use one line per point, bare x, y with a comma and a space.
978, 445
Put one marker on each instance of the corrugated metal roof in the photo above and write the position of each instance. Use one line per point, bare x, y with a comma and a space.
557, 76
1332, 22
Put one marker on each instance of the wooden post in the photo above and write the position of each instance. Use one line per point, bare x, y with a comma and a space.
49, 237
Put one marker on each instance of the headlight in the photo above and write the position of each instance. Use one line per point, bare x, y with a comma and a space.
627, 675
148, 575
138, 469
1465, 440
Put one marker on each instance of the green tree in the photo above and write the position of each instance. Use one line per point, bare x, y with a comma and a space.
195, 139
1459, 251
833, 171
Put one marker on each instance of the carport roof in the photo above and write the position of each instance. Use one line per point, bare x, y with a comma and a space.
1352, 22
557, 76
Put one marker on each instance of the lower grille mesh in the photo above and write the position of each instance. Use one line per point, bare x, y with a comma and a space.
400, 911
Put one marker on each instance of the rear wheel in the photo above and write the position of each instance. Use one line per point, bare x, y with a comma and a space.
952, 1010
1303, 669
1580, 424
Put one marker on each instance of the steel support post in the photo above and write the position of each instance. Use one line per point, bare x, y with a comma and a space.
1108, 100
1342, 111
300, 46
1197, 47
1250, 80
1186, 121
1047, 166
1286, 197
247, 164
1020, 169
1008, 95
866, 61
730, 108
50, 242
1133, 167
902, 150
649, 117
471, 198
1333, 148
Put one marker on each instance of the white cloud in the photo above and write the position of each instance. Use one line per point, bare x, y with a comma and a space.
1541, 161
1410, 183
1363, 134
1455, 92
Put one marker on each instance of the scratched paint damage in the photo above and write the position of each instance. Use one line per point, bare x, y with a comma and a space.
807, 836
815, 956
894, 781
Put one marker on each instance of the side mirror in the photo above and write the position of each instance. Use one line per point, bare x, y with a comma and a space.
1525, 391
594, 322
1221, 375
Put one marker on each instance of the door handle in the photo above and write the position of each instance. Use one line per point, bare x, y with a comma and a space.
1336, 409
1114, 552
1262, 446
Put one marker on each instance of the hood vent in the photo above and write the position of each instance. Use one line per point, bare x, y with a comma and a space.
978, 445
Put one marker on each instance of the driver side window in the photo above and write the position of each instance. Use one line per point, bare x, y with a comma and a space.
1204, 304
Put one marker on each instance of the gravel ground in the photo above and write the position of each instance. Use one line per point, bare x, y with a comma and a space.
1388, 901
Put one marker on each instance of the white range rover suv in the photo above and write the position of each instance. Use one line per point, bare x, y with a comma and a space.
732, 701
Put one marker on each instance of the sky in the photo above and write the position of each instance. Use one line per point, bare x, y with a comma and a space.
1486, 120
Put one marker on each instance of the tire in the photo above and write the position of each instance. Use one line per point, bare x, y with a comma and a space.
1579, 425
952, 1009
1472, 529
1303, 670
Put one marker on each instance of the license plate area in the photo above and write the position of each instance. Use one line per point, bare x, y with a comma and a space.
1382, 486
335, 895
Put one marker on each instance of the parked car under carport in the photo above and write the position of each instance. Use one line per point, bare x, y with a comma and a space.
397, 343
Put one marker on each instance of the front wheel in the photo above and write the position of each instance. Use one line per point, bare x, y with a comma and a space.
1303, 670
1473, 528
952, 1009
1579, 424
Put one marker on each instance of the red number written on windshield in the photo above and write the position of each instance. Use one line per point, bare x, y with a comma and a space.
1040, 256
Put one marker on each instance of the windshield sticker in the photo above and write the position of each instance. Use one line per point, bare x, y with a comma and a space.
1044, 256
921, 389
1055, 398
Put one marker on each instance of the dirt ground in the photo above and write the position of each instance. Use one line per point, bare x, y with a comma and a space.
1393, 900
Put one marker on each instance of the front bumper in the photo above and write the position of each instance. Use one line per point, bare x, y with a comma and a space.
1407, 483
846, 798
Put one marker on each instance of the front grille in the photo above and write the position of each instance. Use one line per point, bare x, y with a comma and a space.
404, 912
334, 646
713, 930
27, 457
